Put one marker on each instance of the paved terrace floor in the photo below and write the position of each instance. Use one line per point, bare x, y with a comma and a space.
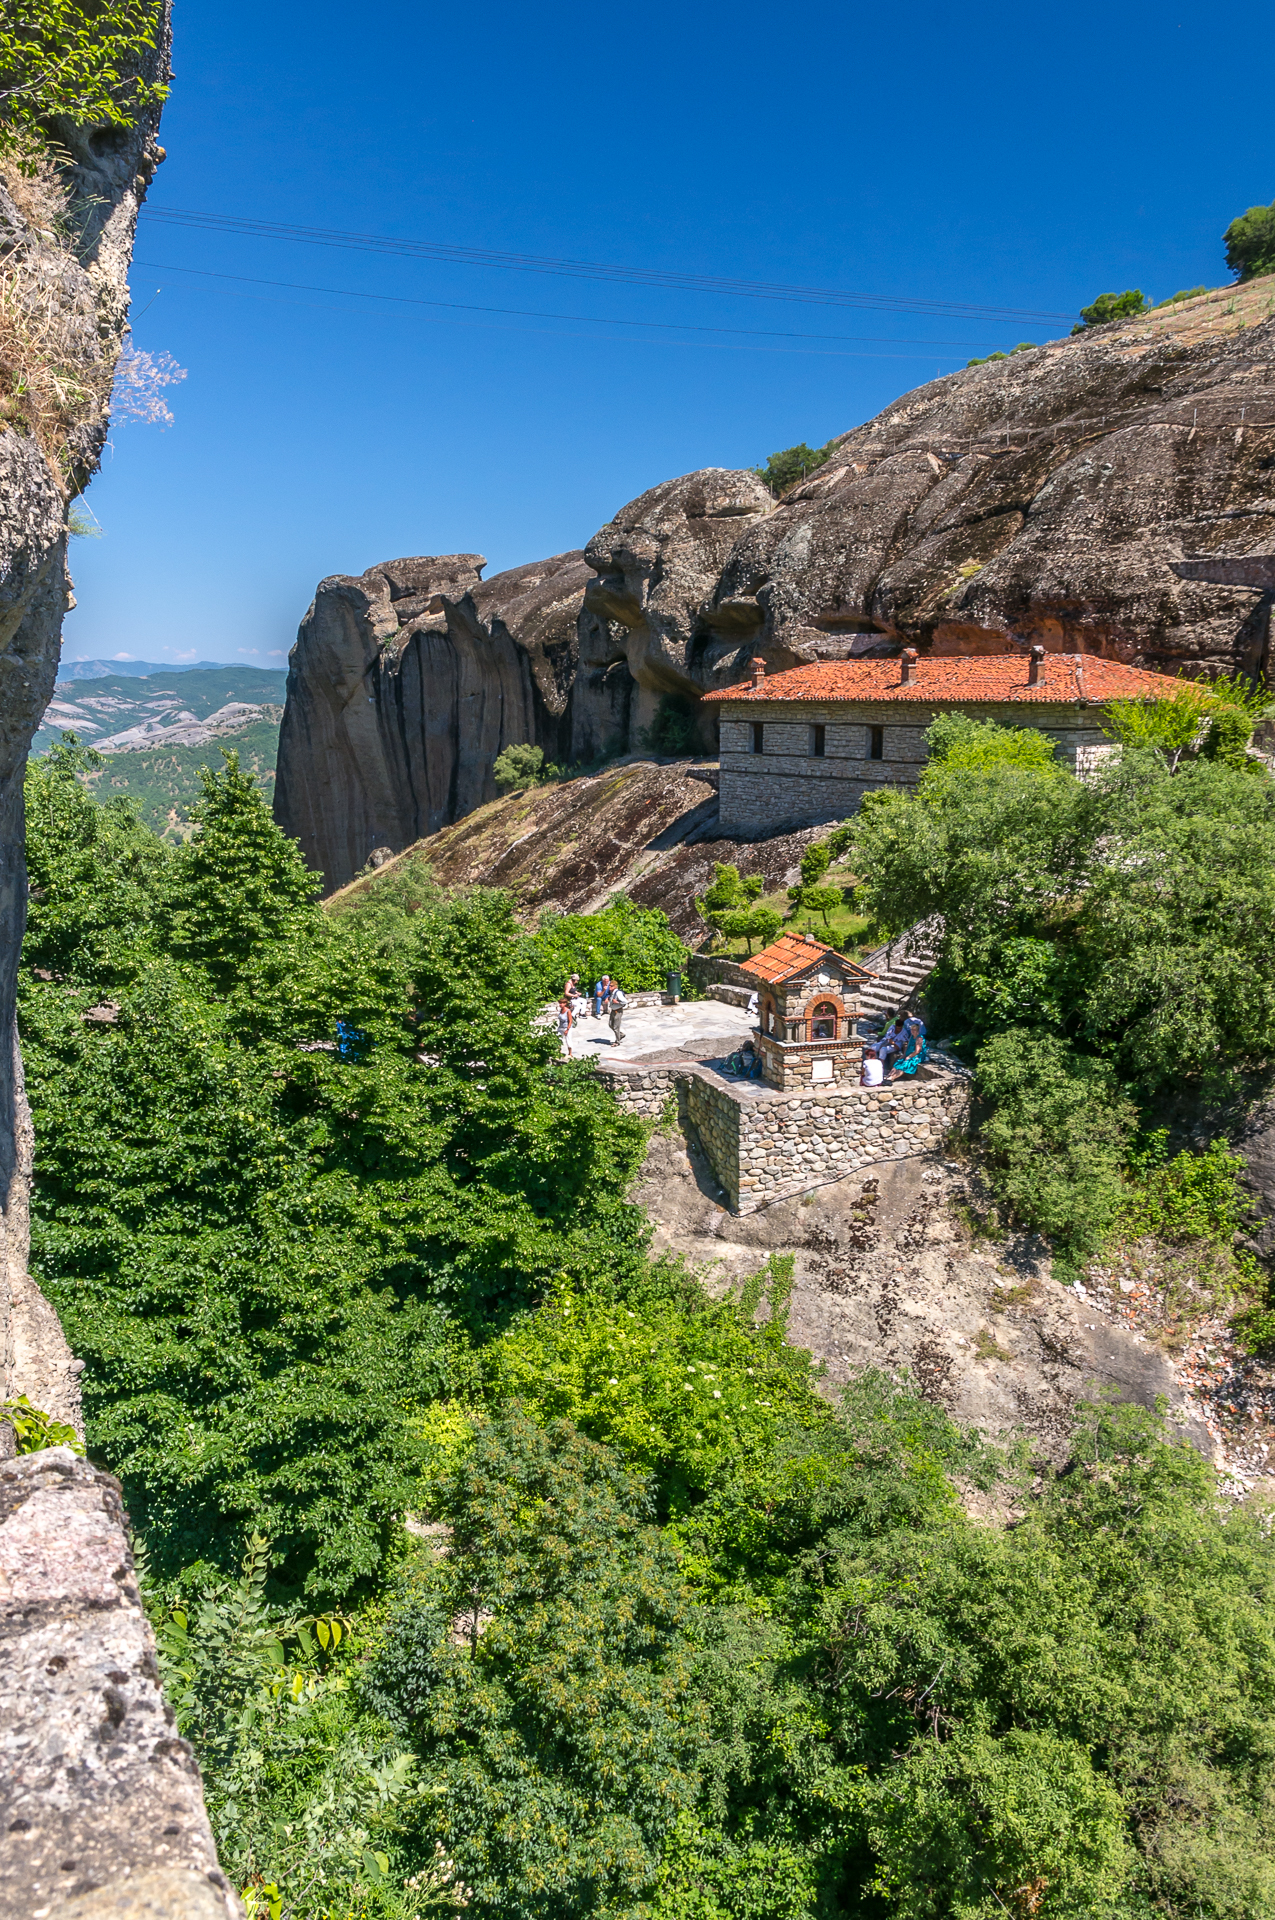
695, 1030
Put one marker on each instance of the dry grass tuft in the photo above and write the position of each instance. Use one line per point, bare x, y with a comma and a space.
55, 380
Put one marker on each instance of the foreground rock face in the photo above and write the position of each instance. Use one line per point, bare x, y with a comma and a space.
1046, 498
100, 1801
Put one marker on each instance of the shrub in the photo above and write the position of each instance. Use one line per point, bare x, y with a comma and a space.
784, 470
635, 945
673, 730
77, 63
521, 766
1059, 1134
1111, 306
1250, 243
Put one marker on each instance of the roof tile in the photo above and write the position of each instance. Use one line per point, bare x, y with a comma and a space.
1066, 679
792, 954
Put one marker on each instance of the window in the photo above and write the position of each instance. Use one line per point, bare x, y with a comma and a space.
817, 738
757, 731
823, 1021
876, 743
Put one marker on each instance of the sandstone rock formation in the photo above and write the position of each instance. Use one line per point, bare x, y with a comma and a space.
1051, 497
405, 684
639, 827
97, 1791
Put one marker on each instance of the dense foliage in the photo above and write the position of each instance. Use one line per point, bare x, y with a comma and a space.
495, 1565
1107, 944
785, 469
1111, 306
635, 945
77, 63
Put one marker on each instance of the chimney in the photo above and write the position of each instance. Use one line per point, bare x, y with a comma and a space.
759, 672
1081, 689
1036, 671
909, 667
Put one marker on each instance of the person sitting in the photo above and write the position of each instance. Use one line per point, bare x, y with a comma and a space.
914, 1048
601, 996
891, 1042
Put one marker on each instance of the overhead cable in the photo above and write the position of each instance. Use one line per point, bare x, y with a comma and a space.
585, 269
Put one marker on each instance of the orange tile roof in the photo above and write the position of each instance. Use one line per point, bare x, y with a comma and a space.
791, 954
1066, 679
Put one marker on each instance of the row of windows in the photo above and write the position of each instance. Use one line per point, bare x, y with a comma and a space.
818, 741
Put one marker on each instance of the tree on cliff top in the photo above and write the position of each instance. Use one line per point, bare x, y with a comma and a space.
1250, 243
1111, 306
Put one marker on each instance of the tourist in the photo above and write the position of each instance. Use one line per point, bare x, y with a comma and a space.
601, 996
566, 1021
616, 1003
914, 1048
892, 1042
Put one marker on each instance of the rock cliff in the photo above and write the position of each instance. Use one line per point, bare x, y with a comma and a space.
100, 1802
1050, 497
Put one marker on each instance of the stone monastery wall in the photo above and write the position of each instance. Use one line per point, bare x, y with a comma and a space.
787, 785
764, 1145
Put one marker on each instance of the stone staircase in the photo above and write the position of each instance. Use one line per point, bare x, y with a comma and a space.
901, 967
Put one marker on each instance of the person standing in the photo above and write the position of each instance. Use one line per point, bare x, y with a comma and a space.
617, 1004
601, 996
565, 1023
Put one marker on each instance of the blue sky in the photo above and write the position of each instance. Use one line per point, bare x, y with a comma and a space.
992, 157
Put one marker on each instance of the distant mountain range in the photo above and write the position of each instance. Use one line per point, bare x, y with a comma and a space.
157, 730
129, 669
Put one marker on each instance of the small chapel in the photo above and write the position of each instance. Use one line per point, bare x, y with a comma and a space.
808, 1001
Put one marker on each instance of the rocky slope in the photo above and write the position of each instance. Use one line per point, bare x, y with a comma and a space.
1044, 498
645, 827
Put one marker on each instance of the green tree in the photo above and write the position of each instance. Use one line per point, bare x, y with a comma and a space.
94, 872
78, 63
784, 470
521, 766
238, 883
1111, 306
1170, 726
673, 730
728, 895
563, 1740
1250, 243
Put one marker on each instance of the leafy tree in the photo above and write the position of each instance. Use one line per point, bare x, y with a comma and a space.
78, 63
95, 874
1060, 1132
1250, 243
728, 894
521, 766
673, 730
566, 1736
1111, 306
958, 743
752, 923
784, 470
635, 945
1170, 725
238, 883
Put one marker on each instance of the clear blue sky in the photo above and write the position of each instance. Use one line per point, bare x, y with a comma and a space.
1003, 158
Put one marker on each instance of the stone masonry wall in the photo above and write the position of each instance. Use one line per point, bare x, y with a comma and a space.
786, 784
764, 1145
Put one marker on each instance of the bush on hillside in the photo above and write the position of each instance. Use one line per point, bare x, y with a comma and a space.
1111, 306
786, 469
673, 731
1250, 243
635, 945
521, 766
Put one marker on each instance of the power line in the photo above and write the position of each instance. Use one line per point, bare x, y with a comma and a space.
533, 313
586, 269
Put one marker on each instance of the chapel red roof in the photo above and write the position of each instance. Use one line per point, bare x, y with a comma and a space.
1065, 679
792, 954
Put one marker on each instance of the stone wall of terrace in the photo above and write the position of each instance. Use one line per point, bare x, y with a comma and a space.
766, 1145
